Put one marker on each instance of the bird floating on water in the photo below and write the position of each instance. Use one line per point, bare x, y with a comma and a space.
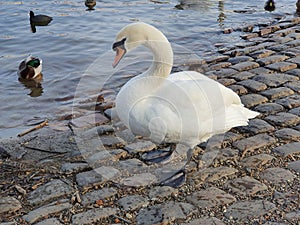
30, 68
270, 5
184, 107
90, 4
39, 20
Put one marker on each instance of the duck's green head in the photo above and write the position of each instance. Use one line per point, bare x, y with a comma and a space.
35, 63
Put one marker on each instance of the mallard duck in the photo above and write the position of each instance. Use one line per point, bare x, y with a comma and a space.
90, 3
39, 20
184, 107
30, 68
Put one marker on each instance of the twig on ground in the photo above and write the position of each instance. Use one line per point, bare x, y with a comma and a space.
39, 126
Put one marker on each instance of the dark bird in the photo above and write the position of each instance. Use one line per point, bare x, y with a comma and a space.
39, 20
90, 4
30, 68
270, 5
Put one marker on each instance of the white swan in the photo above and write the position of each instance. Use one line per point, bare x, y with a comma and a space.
184, 107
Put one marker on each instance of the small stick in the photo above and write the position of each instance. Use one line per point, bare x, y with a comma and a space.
39, 126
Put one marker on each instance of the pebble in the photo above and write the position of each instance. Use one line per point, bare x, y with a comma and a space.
245, 186
277, 175
51, 190
133, 202
288, 149
245, 210
210, 197
92, 215
9, 204
46, 210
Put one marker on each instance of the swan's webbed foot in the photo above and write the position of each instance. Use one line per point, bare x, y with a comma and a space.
158, 156
175, 180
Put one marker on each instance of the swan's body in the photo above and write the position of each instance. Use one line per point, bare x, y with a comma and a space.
185, 107
30, 68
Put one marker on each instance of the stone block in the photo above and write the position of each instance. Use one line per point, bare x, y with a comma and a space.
243, 66
91, 216
288, 149
254, 142
272, 59
279, 92
250, 100
51, 190
277, 175
245, 210
282, 66
253, 85
275, 79
210, 197
283, 119
245, 186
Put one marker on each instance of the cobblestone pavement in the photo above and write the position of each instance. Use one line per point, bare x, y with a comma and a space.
250, 177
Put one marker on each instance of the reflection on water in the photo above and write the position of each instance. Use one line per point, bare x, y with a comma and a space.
79, 39
34, 85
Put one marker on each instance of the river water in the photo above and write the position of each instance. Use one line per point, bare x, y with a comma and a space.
76, 46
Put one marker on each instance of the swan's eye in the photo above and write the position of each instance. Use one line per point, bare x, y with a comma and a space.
119, 44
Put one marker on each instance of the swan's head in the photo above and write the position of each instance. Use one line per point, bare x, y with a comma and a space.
134, 35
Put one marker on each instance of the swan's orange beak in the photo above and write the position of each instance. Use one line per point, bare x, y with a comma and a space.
120, 52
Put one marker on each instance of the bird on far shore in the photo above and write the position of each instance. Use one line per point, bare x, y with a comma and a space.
90, 4
39, 20
30, 68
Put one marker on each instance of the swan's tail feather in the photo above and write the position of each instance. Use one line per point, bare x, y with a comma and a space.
238, 115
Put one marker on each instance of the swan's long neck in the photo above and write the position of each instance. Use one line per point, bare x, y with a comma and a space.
162, 58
